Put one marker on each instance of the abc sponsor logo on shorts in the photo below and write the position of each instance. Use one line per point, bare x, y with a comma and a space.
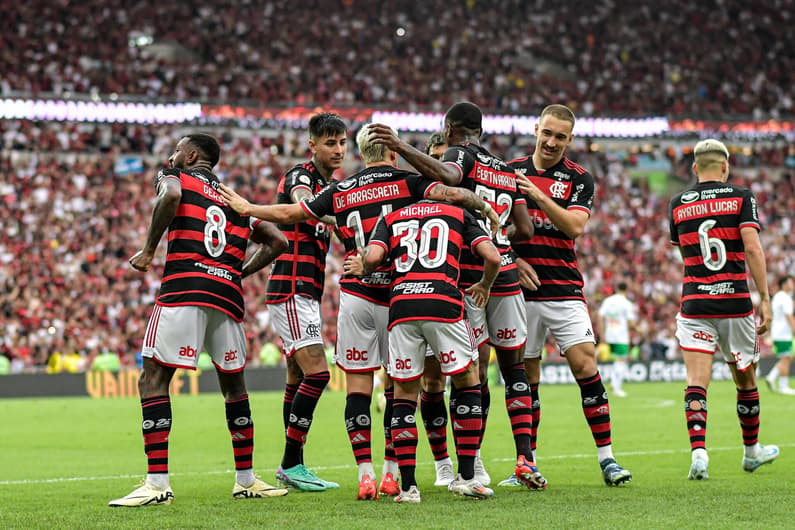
702, 335
187, 351
506, 334
403, 364
352, 354
447, 357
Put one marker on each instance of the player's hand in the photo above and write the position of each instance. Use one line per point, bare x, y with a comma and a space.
235, 201
354, 263
765, 317
494, 221
479, 293
527, 186
527, 275
141, 260
384, 135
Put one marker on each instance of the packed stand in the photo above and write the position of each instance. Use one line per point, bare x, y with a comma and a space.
72, 222
618, 57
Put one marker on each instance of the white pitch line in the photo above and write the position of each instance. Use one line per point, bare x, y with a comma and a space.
349, 466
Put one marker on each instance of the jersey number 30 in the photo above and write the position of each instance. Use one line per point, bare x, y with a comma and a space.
420, 247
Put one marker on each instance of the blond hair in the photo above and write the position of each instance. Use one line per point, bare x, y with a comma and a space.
370, 152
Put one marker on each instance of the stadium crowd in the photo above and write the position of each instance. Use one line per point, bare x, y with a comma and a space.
704, 59
72, 221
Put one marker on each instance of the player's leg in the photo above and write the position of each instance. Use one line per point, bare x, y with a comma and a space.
407, 348
434, 418
458, 358
293, 378
173, 338
298, 322
778, 378
738, 335
361, 349
697, 339
620, 353
225, 340
571, 328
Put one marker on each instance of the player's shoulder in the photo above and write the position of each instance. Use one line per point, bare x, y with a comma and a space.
302, 174
168, 172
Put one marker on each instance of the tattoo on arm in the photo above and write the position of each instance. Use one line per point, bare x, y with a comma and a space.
261, 258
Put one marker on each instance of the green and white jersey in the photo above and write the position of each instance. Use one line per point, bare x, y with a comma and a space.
782, 306
617, 312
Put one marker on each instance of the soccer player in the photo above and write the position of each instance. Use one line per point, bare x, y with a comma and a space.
356, 203
716, 227
616, 316
294, 292
781, 332
502, 323
432, 407
199, 308
560, 196
424, 243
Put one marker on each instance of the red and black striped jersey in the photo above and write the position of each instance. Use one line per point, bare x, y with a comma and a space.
424, 243
357, 202
550, 251
206, 247
705, 222
301, 269
494, 181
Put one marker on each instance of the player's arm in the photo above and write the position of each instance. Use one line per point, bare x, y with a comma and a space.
300, 195
465, 199
423, 163
275, 213
364, 260
271, 243
570, 222
169, 194
521, 227
755, 257
491, 267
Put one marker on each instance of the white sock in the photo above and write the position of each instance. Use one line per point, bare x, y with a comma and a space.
443, 461
606, 451
366, 468
245, 477
390, 466
752, 450
158, 480
699, 453
783, 382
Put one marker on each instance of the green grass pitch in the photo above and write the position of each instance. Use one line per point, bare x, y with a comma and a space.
62, 459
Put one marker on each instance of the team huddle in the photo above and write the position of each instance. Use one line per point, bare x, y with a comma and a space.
442, 264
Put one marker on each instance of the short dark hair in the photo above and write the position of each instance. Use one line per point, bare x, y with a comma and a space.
466, 115
783, 280
207, 145
435, 139
326, 124
622, 286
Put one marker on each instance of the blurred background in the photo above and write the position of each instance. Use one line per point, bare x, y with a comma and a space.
94, 95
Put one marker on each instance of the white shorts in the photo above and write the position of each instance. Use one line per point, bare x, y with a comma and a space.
176, 335
409, 342
361, 334
567, 320
736, 338
502, 323
298, 323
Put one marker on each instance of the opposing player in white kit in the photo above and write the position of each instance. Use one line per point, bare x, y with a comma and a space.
781, 331
199, 308
424, 244
616, 316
